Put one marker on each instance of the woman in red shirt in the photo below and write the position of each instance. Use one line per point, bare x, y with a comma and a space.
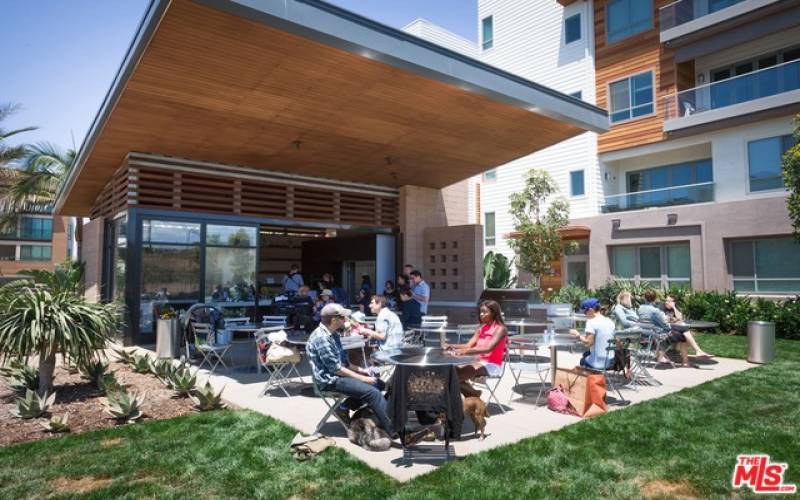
489, 342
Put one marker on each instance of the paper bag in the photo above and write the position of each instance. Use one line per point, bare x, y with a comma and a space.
585, 390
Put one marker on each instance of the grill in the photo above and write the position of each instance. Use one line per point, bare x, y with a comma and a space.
513, 302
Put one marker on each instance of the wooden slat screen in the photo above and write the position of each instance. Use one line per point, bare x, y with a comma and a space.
150, 185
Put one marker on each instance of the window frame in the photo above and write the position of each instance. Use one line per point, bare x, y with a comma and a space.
486, 236
629, 78
733, 277
566, 30
578, 94
664, 279
582, 194
30, 258
783, 187
650, 26
487, 44
490, 176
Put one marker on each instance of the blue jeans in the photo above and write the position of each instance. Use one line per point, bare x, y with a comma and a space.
367, 393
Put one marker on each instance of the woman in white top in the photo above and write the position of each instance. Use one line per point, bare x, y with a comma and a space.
598, 333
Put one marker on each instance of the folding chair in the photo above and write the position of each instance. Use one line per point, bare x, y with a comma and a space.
642, 353
273, 320
526, 360
611, 347
278, 373
433, 321
491, 383
236, 321
331, 399
208, 349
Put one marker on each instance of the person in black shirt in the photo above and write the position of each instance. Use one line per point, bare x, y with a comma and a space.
412, 315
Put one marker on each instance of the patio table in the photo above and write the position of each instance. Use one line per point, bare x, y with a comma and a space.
701, 325
421, 356
520, 325
559, 340
441, 331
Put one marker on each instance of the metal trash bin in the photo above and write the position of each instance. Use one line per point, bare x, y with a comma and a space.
760, 341
167, 338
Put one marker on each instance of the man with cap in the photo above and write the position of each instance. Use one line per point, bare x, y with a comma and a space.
597, 334
331, 370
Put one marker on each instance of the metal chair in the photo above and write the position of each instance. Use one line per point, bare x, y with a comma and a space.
523, 358
273, 320
491, 383
331, 399
433, 321
643, 353
279, 373
611, 347
236, 321
205, 345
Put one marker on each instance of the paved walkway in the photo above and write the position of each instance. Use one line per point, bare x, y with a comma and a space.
523, 418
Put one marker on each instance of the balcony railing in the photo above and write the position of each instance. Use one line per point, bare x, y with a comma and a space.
683, 11
743, 88
664, 197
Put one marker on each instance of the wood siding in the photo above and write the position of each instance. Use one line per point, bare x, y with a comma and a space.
635, 54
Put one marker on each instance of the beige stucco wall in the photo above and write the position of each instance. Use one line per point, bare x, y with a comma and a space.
92, 255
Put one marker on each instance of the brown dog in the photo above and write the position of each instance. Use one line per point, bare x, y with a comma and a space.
476, 409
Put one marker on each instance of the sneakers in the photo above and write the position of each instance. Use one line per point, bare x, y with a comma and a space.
343, 415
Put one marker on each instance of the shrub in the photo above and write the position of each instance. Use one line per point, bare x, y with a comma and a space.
570, 294
94, 371
23, 378
205, 399
57, 424
109, 384
33, 405
124, 406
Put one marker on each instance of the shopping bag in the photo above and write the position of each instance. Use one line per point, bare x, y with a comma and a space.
585, 390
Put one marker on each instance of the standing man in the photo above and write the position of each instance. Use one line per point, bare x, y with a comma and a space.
332, 372
421, 291
293, 280
388, 329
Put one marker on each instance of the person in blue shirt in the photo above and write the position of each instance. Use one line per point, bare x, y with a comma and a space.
421, 290
598, 333
624, 313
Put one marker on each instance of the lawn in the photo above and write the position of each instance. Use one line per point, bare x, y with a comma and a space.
684, 444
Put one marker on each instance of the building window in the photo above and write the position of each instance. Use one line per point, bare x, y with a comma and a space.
764, 161
490, 175
487, 32
576, 184
770, 265
656, 266
36, 228
34, 252
679, 174
572, 29
8, 252
577, 95
632, 97
627, 17
488, 229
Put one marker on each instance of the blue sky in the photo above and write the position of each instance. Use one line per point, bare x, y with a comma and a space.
61, 55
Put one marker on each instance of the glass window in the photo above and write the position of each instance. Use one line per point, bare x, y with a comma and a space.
170, 272
120, 253
8, 252
233, 236
658, 266
623, 262
36, 228
161, 231
764, 160
230, 274
632, 97
488, 229
765, 265
576, 187
627, 17
490, 175
487, 32
572, 28
679, 174
35, 252
678, 262
650, 262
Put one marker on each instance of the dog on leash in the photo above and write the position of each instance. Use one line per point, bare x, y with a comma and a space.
476, 409
364, 431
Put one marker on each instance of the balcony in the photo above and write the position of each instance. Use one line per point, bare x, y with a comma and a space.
664, 197
686, 17
761, 90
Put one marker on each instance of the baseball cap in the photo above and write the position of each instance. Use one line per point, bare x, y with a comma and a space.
334, 310
358, 317
326, 292
589, 304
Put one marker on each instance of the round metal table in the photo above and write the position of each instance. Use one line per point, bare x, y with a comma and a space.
537, 339
421, 356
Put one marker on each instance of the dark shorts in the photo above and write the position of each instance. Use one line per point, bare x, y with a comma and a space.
676, 337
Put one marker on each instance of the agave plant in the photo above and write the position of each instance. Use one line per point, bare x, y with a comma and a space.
109, 383
95, 370
123, 356
9, 369
140, 364
24, 378
162, 368
205, 399
33, 405
183, 381
57, 424
124, 406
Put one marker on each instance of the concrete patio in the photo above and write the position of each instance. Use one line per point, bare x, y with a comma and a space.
523, 417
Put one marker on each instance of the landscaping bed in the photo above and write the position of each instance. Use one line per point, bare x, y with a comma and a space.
78, 398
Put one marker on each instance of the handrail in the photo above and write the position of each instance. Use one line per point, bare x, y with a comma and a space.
683, 186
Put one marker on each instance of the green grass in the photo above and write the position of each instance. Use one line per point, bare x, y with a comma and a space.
688, 440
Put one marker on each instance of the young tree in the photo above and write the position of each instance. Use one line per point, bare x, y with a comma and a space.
791, 178
538, 215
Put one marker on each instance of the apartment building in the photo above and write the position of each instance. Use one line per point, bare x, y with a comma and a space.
685, 187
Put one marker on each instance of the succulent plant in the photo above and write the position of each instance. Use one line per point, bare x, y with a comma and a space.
140, 364
205, 399
123, 356
24, 378
109, 383
162, 368
12, 366
183, 381
57, 424
33, 405
124, 406
95, 370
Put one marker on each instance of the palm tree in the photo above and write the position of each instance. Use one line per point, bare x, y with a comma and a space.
9, 154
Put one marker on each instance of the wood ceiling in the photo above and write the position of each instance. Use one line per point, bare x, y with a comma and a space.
216, 87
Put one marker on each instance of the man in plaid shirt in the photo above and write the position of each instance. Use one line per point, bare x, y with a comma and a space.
332, 371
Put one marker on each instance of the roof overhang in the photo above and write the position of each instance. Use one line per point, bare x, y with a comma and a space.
304, 87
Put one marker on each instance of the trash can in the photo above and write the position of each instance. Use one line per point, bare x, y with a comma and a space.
167, 338
760, 341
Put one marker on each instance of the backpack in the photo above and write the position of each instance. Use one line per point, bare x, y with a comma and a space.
558, 401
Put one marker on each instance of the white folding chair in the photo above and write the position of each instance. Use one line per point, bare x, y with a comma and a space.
433, 321
491, 383
273, 320
204, 343
236, 321
279, 373
331, 399
523, 360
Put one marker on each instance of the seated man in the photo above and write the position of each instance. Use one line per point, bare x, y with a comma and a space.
388, 329
333, 372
